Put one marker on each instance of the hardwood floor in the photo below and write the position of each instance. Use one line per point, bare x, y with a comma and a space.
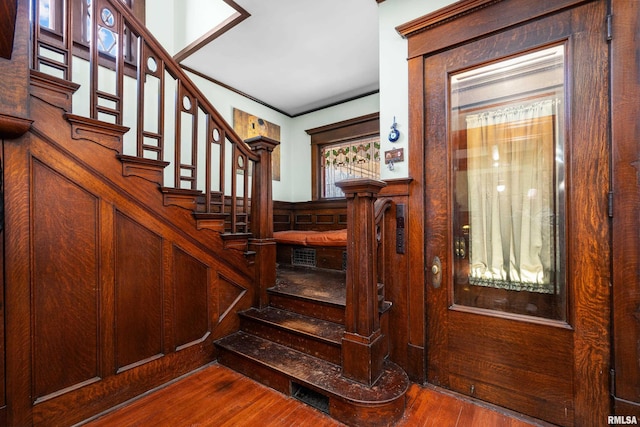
217, 396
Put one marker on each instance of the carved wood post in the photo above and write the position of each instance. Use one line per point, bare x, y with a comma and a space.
362, 344
262, 217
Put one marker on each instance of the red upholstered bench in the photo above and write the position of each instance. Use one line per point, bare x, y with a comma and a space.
333, 238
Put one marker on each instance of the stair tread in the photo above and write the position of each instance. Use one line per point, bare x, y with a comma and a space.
284, 319
314, 372
312, 283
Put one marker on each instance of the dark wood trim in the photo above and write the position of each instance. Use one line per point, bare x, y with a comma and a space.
262, 217
8, 9
235, 19
13, 127
357, 127
470, 19
362, 339
333, 104
14, 72
415, 221
232, 89
343, 124
441, 16
319, 215
427, 37
625, 91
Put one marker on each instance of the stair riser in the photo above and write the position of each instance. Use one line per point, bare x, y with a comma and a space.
255, 371
309, 308
349, 412
330, 352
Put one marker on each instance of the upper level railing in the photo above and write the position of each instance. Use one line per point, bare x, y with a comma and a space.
127, 78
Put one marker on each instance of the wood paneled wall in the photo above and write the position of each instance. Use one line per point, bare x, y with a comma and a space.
406, 319
625, 89
317, 215
111, 293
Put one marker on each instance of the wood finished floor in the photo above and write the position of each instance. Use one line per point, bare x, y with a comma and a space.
217, 396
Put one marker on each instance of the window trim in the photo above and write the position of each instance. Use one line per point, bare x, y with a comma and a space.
347, 130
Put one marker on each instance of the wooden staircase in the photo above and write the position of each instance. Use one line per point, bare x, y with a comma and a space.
189, 234
294, 345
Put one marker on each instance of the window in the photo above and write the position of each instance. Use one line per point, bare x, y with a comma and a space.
348, 149
507, 131
51, 17
359, 158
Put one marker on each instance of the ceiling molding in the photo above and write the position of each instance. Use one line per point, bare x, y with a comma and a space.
236, 18
254, 99
232, 89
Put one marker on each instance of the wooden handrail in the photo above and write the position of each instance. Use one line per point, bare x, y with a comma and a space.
197, 126
177, 72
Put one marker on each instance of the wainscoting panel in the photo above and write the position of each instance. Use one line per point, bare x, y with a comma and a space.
64, 283
138, 293
192, 298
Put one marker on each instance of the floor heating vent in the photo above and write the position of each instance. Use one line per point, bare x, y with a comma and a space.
305, 257
310, 397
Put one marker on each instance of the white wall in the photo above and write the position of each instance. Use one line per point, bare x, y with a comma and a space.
160, 19
394, 74
195, 18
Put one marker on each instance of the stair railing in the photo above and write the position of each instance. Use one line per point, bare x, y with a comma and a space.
127, 78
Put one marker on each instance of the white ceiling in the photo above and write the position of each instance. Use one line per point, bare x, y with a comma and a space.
296, 56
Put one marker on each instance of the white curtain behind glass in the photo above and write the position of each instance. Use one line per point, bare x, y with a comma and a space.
511, 197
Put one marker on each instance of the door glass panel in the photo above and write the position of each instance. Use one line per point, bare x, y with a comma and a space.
507, 127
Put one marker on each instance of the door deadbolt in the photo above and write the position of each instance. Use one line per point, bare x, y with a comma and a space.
436, 272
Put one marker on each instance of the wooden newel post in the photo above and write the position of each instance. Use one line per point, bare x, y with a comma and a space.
362, 343
262, 217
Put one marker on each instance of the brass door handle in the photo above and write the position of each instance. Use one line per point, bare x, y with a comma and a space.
436, 272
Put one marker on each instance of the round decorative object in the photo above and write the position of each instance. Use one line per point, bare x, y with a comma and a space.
107, 17
152, 65
394, 135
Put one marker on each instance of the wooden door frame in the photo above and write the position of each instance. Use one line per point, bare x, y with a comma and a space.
444, 29
625, 110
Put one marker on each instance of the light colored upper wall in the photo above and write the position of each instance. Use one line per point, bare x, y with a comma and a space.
295, 183
301, 147
394, 73
195, 18
159, 15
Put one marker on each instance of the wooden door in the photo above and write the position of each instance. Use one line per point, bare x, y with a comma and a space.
517, 241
